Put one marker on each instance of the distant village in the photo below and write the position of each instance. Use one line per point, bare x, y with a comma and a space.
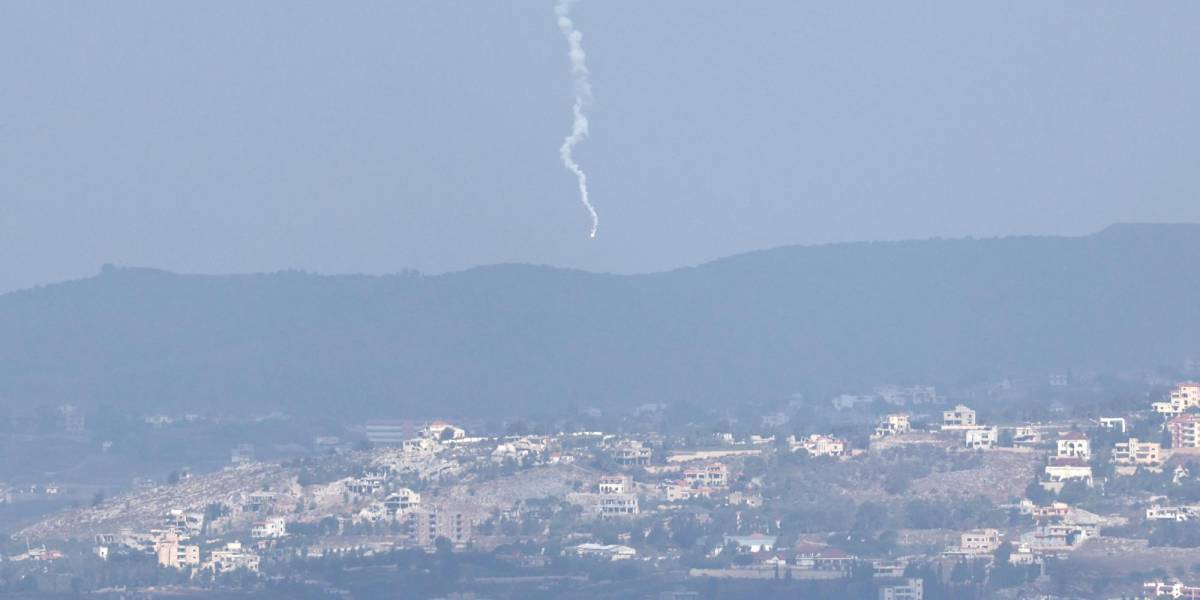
904, 494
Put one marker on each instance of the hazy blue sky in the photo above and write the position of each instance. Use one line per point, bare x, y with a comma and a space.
375, 136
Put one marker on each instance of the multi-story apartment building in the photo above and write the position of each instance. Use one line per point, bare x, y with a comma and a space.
1185, 431
1172, 513
401, 500
710, 475
275, 527
1074, 444
979, 541
893, 424
441, 430
1137, 453
630, 453
615, 484
981, 438
172, 553
1026, 436
424, 527
1185, 395
1064, 469
911, 589
818, 445
958, 418
231, 558
390, 432
1169, 589
618, 505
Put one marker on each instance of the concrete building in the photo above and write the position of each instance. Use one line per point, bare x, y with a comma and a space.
907, 396
615, 484
1026, 436
390, 432
170, 552
893, 424
820, 557
752, 543
911, 589
979, 541
1170, 589
185, 523
1185, 395
1185, 431
1074, 444
232, 557
605, 551
1136, 453
676, 492
631, 453
1178, 514
1113, 423
1063, 470
712, 475
401, 500
618, 505
275, 527
818, 445
981, 438
960, 417
441, 430
1056, 536
424, 527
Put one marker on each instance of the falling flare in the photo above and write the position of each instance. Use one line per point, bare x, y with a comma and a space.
583, 100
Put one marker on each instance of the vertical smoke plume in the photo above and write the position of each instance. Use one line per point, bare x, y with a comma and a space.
583, 100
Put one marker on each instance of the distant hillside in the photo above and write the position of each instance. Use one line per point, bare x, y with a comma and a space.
511, 339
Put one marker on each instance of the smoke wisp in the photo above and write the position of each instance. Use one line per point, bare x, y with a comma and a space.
583, 101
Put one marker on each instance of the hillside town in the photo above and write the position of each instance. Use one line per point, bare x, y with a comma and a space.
906, 496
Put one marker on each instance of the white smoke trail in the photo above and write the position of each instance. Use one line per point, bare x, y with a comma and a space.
583, 101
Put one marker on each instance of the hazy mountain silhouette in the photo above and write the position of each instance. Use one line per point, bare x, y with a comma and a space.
510, 339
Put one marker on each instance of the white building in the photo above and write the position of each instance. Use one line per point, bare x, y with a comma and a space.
818, 445
618, 505
615, 484
752, 543
710, 475
275, 527
1113, 423
911, 589
893, 424
1185, 395
981, 438
231, 558
1138, 454
979, 541
1062, 470
631, 453
1026, 436
1172, 513
607, 551
1169, 589
1074, 445
959, 417
441, 430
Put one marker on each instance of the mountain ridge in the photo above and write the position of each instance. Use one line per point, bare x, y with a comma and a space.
518, 339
